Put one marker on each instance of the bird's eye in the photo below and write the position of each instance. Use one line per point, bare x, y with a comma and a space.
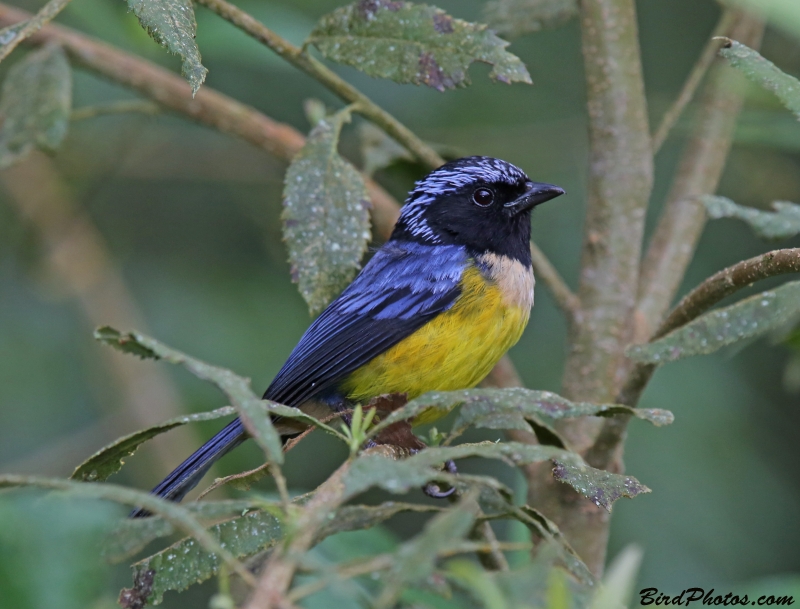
483, 197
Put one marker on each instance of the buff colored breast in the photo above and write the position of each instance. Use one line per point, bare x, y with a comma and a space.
458, 348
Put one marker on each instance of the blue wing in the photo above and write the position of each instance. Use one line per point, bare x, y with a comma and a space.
404, 286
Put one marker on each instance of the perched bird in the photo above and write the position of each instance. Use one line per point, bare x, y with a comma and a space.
434, 309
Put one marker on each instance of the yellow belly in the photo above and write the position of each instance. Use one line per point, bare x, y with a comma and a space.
455, 350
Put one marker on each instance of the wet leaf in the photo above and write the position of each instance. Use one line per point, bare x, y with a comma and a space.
748, 318
35, 104
325, 216
132, 535
509, 408
783, 223
764, 73
171, 24
415, 559
602, 488
184, 563
514, 18
413, 43
109, 459
250, 407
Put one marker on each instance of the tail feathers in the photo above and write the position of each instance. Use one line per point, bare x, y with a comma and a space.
189, 473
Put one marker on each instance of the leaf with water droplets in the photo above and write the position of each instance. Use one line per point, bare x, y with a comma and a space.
764, 73
413, 43
510, 409
109, 459
602, 488
325, 215
748, 318
171, 23
782, 223
250, 407
514, 18
185, 562
35, 104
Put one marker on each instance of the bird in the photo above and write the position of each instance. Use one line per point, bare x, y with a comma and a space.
435, 307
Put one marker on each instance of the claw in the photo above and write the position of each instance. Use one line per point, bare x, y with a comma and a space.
434, 490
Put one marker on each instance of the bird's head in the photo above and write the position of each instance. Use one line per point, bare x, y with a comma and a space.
478, 202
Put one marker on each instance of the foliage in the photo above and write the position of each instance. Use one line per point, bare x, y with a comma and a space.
325, 216
782, 223
35, 103
413, 43
514, 18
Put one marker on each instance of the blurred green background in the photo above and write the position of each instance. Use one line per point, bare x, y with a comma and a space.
188, 219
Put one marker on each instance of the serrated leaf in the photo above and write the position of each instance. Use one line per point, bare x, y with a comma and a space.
602, 488
748, 318
35, 104
413, 43
184, 563
783, 223
325, 216
415, 559
132, 535
171, 23
250, 407
514, 18
764, 73
109, 459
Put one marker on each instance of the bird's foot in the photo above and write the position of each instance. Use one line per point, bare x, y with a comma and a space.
432, 489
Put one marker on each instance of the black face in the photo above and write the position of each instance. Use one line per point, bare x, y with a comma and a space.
478, 202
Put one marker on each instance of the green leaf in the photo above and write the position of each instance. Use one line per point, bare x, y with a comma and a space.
413, 43
619, 580
236, 388
171, 24
185, 563
764, 73
109, 459
176, 514
35, 104
325, 216
415, 560
602, 488
748, 318
783, 223
509, 408
378, 150
132, 535
514, 18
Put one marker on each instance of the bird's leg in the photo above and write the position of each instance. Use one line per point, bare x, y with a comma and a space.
432, 489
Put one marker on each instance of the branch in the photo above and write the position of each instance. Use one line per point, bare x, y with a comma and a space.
694, 304
209, 107
724, 25
327, 77
566, 300
699, 171
29, 25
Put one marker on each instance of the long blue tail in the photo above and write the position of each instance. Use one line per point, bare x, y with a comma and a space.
189, 473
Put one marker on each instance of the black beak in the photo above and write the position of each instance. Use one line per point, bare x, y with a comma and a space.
535, 193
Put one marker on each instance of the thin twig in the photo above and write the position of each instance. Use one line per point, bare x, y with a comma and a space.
694, 304
723, 27
684, 216
566, 300
121, 107
327, 77
29, 26
208, 107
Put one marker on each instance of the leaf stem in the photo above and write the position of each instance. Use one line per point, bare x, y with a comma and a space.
121, 107
30, 26
327, 77
707, 56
